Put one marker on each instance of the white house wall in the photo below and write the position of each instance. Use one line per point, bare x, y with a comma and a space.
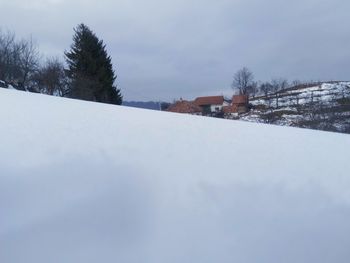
213, 107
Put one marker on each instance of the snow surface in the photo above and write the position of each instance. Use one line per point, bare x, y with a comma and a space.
88, 182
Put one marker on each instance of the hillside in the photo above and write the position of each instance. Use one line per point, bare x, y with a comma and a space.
150, 105
325, 106
89, 182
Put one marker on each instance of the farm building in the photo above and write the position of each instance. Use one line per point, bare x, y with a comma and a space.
210, 104
184, 106
240, 104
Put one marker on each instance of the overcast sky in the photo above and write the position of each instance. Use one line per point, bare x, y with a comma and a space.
164, 49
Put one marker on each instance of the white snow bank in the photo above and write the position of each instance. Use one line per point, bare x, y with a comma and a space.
88, 182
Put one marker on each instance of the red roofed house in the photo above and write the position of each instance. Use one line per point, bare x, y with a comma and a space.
210, 104
239, 104
184, 106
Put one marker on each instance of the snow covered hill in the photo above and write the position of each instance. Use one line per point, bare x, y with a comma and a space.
323, 106
88, 182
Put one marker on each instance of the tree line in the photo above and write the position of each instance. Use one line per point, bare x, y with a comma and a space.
244, 84
86, 73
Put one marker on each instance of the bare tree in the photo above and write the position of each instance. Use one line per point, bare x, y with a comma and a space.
253, 89
18, 59
265, 88
296, 83
7, 41
51, 78
243, 81
28, 61
277, 86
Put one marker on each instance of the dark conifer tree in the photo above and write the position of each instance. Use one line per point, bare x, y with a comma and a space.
90, 69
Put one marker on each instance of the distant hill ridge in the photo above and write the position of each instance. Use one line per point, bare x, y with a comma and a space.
151, 105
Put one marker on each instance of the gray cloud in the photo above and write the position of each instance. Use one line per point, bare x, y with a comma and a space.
167, 49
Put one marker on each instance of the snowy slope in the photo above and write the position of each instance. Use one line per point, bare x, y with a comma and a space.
327, 92
324, 106
88, 182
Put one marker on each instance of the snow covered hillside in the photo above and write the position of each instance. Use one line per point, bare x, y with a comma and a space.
323, 106
88, 182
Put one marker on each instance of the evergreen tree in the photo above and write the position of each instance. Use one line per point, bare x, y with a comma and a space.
90, 69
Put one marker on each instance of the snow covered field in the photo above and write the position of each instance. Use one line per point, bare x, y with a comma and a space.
87, 182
